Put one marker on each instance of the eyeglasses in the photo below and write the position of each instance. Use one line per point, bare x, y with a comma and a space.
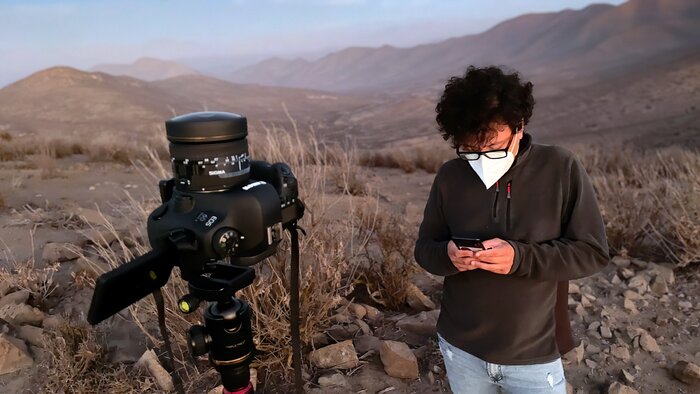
491, 154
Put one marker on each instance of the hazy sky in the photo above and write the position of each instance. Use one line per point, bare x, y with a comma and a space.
82, 33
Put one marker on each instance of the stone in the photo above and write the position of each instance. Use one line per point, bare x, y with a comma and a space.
639, 283
626, 273
619, 388
615, 280
605, 332
366, 343
357, 310
342, 332
621, 352
666, 272
621, 262
14, 355
585, 302
630, 306
591, 364
580, 310
372, 313
21, 314
58, 252
18, 297
574, 288
627, 377
31, 334
592, 349
93, 266
632, 295
53, 322
364, 327
334, 380
594, 326
341, 355
398, 360
659, 285
648, 343
686, 372
685, 304
417, 300
574, 355
423, 323
149, 363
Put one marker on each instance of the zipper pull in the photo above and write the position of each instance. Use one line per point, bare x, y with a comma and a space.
496, 186
508, 187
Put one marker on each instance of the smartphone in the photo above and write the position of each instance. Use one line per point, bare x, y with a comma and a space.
472, 244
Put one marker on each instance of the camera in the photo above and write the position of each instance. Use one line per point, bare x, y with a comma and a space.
219, 206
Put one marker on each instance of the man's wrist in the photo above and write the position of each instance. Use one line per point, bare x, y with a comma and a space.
516, 257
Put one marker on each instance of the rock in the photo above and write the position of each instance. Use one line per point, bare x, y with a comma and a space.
659, 285
365, 343
580, 310
31, 334
575, 355
334, 380
13, 355
666, 272
585, 302
357, 310
57, 252
629, 305
626, 273
632, 295
97, 236
372, 312
574, 288
619, 388
627, 377
364, 327
149, 362
93, 266
21, 314
621, 262
648, 343
423, 323
594, 326
685, 304
342, 332
605, 332
639, 263
591, 364
52, 322
398, 360
18, 297
639, 283
320, 339
592, 349
417, 300
340, 355
686, 372
615, 280
621, 352
569, 388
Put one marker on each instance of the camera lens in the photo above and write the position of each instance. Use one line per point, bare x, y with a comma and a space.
209, 151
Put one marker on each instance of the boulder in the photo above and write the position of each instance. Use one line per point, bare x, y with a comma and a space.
341, 355
357, 310
398, 360
31, 334
372, 313
334, 380
648, 343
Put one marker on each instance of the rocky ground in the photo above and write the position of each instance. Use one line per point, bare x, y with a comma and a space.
638, 321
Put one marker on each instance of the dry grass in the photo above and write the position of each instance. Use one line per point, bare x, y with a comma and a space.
650, 200
427, 158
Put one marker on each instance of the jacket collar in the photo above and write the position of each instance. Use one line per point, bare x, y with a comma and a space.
523, 150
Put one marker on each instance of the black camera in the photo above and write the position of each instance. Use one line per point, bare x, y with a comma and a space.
219, 205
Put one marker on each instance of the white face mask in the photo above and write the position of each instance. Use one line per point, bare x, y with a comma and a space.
491, 170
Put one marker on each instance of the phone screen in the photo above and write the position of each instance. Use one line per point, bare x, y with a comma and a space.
472, 244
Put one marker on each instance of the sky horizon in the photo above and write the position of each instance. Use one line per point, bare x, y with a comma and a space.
82, 33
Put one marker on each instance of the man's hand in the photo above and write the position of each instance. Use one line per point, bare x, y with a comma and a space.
497, 257
460, 258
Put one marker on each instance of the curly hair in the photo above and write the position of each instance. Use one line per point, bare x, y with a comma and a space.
470, 104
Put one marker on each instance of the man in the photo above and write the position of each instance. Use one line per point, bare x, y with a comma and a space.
534, 208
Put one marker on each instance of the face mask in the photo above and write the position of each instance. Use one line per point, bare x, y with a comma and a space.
491, 170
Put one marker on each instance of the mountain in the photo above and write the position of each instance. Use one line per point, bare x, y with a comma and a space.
63, 101
147, 69
566, 45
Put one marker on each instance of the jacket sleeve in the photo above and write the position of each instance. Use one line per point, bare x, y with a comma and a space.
434, 235
582, 248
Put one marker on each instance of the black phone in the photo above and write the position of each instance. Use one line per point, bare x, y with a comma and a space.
472, 244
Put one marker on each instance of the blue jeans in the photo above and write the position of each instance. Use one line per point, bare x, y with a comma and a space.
470, 374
